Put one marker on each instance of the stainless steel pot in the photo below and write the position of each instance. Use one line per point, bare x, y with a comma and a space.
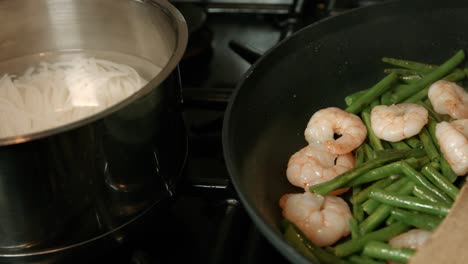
65, 186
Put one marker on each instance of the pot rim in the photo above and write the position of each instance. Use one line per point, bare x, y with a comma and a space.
181, 30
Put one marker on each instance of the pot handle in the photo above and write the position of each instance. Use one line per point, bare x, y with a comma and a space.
246, 52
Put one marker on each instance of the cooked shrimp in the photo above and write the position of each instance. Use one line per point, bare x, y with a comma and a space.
396, 122
454, 145
313, 165
413, 239
328, 122
449, 98
461, 125
323, 219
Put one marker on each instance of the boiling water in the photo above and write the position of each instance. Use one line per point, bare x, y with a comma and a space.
47, 90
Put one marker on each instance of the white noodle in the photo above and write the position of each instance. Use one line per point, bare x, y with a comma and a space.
53, 94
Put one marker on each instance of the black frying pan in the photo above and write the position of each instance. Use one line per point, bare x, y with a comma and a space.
315, 68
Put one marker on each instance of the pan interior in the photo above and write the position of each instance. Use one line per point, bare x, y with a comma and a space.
316, 68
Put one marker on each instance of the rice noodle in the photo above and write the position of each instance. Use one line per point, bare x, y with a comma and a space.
53, 94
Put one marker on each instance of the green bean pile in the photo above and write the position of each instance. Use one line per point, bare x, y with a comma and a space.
396, 186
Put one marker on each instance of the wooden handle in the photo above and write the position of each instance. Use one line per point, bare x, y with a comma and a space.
449, 242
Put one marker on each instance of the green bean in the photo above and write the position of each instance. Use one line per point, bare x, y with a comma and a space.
356, 259
358, 213
364, 194
356, 191
432, 121
312, 252
417, 178
343, 179
456, 76
410, 202
387, 170
418, 96
400, 88
386, 98
354, 226
413, 142
428, 144
295, 241
400, 145
415, 153
355, 245
373, 93
418, 220
382, 212
370, 153
428, 79
374, 141
423, 193
435, 165
384, 251
386, 145
403, 72
440, 181
431, 125
350, 99
390, 220
371, 205
360, 155
410, 65
410, 79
